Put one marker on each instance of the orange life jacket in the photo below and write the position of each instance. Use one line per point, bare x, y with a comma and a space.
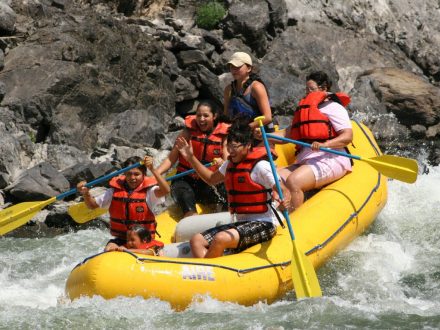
309, 123
127, 209
245, 195
205, 147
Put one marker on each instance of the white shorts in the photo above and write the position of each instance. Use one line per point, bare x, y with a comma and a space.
325, 169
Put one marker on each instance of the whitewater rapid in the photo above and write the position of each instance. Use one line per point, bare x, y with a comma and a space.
387, 278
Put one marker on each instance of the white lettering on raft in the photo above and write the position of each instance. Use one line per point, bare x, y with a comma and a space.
204, 273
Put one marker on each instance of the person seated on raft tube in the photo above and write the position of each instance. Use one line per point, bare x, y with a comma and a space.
139, 241
251, 188
246, 95
314, 168
208, 139
134, 190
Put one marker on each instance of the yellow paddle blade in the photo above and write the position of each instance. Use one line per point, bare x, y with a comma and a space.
399, 168
305, 281
81, 213
17, 215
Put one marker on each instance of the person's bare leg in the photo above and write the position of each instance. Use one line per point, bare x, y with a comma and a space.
227, 239
199, 246
300, 180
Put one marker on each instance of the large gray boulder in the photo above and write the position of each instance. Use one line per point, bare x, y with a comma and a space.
249, 20
411, 99
294, 55
7, 19
410, 25
69, 86
38, 183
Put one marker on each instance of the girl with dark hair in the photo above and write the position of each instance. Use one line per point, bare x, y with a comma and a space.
130, 200
250, 187
139, 241
321, 120
207, 137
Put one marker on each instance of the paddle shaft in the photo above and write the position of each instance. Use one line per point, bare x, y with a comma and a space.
179, 175
80, 213
99, 180
277, 183
308, 145
113, 174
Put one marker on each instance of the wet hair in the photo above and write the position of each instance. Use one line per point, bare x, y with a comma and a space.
321, 78
144, 234
133, 160
240, 131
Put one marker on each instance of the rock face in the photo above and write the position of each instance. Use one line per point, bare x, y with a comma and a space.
38, 183
84, 83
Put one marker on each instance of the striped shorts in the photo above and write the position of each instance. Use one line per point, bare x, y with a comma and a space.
250, 233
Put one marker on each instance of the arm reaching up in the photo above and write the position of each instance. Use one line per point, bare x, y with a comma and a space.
164, 188
208, 176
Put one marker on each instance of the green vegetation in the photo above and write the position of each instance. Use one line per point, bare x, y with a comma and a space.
209, 15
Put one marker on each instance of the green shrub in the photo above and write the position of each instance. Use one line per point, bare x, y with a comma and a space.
209, 15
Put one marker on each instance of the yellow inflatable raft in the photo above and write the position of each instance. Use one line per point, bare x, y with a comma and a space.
324, 224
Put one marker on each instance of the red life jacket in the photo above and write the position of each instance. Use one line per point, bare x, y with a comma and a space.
309, 123
205, 147
130, 209
245, 195
153, 244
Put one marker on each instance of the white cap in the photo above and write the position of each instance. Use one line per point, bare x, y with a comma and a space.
240, 58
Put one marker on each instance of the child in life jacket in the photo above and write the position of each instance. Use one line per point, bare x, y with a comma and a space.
130, 200
139, 241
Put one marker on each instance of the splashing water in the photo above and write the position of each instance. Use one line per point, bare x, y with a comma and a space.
387, 278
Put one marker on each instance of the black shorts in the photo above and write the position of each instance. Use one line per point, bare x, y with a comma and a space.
188, 191
250, 233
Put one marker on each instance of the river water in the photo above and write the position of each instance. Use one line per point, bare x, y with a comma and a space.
389, 278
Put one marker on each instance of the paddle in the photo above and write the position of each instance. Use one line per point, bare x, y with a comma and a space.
19, 214
304, 277
399, 168
82, 214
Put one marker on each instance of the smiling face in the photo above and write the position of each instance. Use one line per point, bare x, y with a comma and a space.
240, 72
134, 178
133, 240
312, 86
205, 118
238, 151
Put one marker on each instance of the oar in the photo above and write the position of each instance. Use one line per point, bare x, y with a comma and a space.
399, 168
19, 214
82, 214
304, 277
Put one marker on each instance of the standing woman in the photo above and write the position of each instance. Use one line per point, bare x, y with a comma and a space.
246, 95
207, 137
321, 120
